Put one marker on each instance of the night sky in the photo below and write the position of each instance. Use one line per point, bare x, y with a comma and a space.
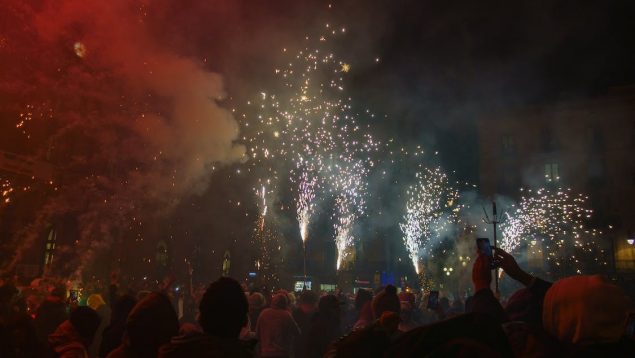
443, 64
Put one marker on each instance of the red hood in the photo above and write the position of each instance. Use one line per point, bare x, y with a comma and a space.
65, 339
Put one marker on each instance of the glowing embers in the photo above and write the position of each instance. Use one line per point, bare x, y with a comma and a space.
551, 223
80, 49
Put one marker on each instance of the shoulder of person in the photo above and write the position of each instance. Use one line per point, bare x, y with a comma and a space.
368, 338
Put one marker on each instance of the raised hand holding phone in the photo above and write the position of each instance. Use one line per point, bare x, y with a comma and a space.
484, 248
482, 272
511, 268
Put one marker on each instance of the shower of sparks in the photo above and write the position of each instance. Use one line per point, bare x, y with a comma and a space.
552, 221
349, 182
6, 189
305, 204
39, 111
267, 241
263, 195
431, 204
306, 130
263, 208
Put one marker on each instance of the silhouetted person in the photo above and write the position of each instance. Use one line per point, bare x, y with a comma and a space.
365, 317
375, 339
222, 315
444, 307
276, 330
151, 323
112, 335
17, 333
358, 319
303, 315
471, 335
325, 327
579, 316
51, 313
96, 302
72, 338
257, 303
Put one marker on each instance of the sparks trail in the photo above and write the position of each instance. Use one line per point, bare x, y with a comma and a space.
349, 185
305, 204
6, 189
430, 205
553, 221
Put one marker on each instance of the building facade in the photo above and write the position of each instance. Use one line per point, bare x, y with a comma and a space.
586, 145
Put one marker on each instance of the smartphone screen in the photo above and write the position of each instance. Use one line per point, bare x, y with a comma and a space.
484, 246
433, 300
74, 296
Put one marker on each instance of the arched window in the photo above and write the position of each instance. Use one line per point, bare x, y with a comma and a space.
49, 250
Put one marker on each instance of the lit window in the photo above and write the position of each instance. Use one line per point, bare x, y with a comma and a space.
50, 247
327, 287
552, 172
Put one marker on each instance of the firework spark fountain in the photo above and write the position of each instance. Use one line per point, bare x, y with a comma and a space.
308, 129
557, 219
430, 202
263, 207
350, 185
305, 204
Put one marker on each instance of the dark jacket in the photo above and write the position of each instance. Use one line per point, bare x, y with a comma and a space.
151, 323
472, 334
112, 335
303, 320
51, 313
325, 329
204, 345
372, 341
18, 338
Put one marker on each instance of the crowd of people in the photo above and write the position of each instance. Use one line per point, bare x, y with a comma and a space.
579, 316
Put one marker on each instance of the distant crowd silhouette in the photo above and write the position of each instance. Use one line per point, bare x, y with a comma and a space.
579, 316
